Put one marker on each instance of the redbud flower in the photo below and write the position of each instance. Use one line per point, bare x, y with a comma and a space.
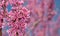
17, 20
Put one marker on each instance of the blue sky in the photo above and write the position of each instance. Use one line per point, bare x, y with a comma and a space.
57, 2
57, 8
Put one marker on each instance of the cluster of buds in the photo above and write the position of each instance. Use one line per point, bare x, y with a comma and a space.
17, 18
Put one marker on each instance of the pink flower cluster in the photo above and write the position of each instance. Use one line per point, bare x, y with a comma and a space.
17, 18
